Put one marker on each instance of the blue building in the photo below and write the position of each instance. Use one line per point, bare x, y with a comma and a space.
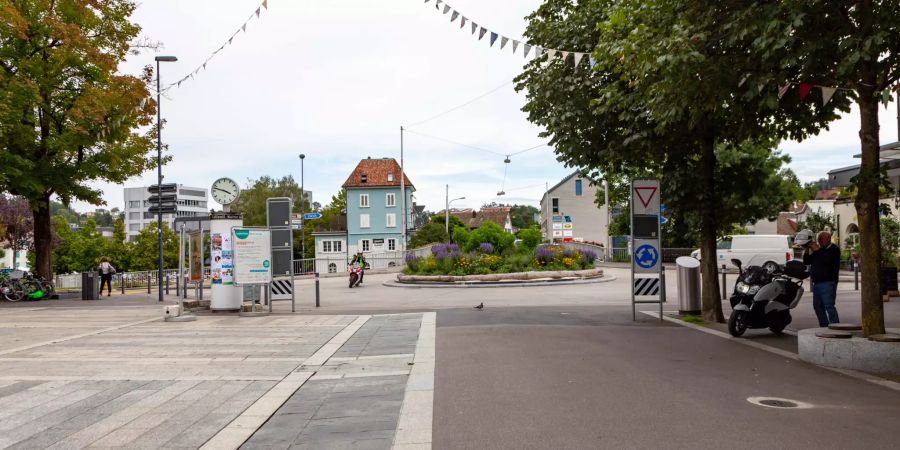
374, 217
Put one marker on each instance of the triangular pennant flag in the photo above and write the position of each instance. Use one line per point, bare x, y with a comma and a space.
437, 4
426, 1
783, 90
592, 61
804, 90
179, 83
503, 42
204, 66
743, 80
762, 86
229, 40
266, 4
515, 46
493, 38
577, 58
885, 97
257, 12
244, 27
474, 27
565, 56
526, 49
550, 53
454, 16
827, 93
481, 33
446, 9
462, 23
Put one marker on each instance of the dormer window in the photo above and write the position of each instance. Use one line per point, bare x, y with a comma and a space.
363, 178
390, 177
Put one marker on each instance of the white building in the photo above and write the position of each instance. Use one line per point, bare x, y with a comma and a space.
192, 202
571, 214
6, 262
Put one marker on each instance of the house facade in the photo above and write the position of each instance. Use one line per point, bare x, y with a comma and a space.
374, 218
569, 212
191, 201
473, 219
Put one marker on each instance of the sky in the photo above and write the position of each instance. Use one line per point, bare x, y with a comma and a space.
336, 80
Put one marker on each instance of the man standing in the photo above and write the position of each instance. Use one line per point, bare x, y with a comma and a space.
824, 259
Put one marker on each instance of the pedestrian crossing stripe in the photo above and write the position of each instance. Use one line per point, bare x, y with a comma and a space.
646, 286
282, 288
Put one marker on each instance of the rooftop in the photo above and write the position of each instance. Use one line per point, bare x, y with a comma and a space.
383, 172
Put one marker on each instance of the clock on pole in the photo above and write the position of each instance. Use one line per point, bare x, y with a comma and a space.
225, 191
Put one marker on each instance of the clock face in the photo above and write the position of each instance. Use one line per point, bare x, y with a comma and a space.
225, 191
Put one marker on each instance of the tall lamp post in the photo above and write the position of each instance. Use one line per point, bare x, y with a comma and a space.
302, 220
447, 209
159, 229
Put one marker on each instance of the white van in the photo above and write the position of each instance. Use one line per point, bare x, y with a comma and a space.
763, 250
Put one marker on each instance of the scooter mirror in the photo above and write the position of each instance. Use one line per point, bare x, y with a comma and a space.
737, 263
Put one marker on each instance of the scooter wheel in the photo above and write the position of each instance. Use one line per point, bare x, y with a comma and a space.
353, 278
777, 331
737, 323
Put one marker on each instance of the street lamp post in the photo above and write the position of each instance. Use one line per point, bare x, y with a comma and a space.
447, 209
159, 177
302, 220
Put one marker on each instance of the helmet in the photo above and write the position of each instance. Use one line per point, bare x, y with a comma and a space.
803, 237
796, 269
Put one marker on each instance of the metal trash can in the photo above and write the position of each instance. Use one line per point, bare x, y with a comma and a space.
688, 285
90, 286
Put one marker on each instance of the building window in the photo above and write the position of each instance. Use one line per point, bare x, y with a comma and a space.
192, 192
363, 200
392, 244
555, 203
391, 220
390, 177
134, 227
134, 216
134, 204
364, 221
365, 245
332, 268
578, 187
326, 246
390, 200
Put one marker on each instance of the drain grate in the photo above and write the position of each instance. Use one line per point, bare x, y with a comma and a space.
775, 402
778, 403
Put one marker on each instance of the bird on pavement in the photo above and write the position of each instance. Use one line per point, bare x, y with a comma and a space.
480, 306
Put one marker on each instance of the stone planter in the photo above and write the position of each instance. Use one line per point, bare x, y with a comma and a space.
502, 277
856, 353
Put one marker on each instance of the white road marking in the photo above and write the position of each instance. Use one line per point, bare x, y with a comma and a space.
414, 428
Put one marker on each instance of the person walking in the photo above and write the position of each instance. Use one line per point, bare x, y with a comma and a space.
824, 259
106, 272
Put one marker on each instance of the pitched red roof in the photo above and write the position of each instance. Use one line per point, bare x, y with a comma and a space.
474, 219
375, 172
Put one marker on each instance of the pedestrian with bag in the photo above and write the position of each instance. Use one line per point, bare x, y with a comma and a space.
106, 272
824, 259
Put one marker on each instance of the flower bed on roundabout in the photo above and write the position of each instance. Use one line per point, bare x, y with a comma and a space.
448, 264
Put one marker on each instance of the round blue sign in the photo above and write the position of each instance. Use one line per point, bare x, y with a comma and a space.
646, 256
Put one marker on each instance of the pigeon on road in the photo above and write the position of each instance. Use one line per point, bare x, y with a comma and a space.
480, 306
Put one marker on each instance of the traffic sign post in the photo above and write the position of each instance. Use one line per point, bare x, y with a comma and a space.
163, 198
647, 275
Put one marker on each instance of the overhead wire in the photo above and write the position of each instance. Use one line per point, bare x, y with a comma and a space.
462, 105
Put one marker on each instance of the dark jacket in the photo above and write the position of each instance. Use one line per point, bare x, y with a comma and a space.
824, 263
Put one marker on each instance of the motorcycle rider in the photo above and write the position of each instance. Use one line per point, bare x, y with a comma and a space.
358, 258
824, 259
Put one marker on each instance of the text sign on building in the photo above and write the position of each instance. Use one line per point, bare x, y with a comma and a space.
252, 255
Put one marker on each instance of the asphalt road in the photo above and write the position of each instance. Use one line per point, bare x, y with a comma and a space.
589, 378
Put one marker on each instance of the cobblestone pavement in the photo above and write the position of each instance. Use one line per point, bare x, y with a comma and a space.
119, 377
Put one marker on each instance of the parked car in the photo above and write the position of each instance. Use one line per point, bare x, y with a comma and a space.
764, 250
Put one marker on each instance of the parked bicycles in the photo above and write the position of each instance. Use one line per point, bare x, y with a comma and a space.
19, 285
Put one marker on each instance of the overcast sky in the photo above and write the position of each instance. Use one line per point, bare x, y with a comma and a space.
335, 80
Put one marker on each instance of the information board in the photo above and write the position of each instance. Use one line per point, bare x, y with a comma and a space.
252, 255
195, 256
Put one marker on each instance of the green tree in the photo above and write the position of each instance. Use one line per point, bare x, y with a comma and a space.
103, 218
117, 249
144, 252
817, 221
252, 202
522, 216
491, 233
660, 100
429, 234
17, 224
67, 117
454, 222
531, 237
851, 45
77, 250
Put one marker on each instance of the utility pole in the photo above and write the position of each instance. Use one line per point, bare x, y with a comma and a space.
447, 210
606, 202
402, 192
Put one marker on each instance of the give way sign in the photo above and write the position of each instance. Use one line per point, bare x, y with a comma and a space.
645, 197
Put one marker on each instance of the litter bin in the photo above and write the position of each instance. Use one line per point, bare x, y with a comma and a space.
688, 285
90, 286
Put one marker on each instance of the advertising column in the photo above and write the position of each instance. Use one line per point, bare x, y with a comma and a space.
226, 296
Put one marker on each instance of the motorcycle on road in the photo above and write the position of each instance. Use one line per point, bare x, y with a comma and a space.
764, 298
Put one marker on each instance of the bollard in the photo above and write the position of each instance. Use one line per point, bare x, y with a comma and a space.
856, 275
662, 285
317, 289
178, 285
167, 285
724, 284
201, 289
122, 282
149, 283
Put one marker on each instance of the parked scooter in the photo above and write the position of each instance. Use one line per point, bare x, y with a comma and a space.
764, 299
355, 270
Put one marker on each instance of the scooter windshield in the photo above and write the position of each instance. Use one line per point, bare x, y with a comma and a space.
768, 292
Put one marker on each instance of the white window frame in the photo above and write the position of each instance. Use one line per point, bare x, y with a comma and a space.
392, 244
390, 200
326, 247
365, 245
365, 221
363, 200
338, 246
390, 220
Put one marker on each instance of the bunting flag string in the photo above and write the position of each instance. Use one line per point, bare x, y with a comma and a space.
552, 54
263, 6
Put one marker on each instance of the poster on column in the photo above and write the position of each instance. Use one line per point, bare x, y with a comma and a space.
252, 256
195, 262
221, 259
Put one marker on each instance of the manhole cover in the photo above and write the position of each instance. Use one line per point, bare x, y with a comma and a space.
775, 402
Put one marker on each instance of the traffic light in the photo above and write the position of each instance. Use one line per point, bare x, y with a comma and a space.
163, 198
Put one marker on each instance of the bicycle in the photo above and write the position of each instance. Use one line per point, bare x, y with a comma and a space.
11, 287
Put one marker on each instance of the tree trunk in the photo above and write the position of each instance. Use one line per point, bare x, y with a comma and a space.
867, 201
712, 304
42, 238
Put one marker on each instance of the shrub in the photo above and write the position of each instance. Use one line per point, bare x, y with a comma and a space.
412, 262
544, 255
491, 262
491, 233
587, 258
531, 237
486, 247
461, 236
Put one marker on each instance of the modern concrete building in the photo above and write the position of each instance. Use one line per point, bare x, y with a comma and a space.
192, 201
569, 212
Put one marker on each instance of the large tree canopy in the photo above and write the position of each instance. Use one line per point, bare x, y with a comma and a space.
67, 117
